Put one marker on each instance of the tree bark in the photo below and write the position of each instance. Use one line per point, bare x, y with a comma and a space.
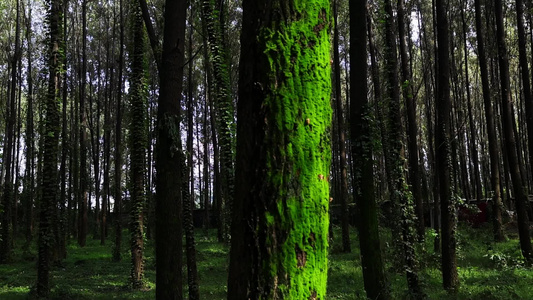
375, 283
442, 143
280, 214
50, 152
497, 204
509, 138
168, 156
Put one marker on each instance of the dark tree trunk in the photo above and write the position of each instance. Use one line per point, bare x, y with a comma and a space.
442, 143
83, 205
50, 152
509, 139
8, 194
343, 195
412, 127
118, 144
491, 131
168, 156
399, 195
371, 259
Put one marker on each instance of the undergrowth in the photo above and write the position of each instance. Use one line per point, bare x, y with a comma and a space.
487, 270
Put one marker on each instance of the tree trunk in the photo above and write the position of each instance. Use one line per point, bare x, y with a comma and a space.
83, 204
509, 138
168, 156
344, 199
442, 143
50, 152
137, 137
375, 283
8, 195
491, 131
118, 144
280, 218
412, 126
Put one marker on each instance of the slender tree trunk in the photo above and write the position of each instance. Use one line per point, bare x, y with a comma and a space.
509, 138
442, 143
29, 182
343, 195
222, 102
118, 144
412, 126
491, 131
371, 259
9, 145
83, 198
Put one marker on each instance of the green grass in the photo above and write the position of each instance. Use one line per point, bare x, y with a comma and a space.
486, 270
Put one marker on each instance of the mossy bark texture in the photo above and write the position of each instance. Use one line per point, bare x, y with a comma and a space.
137, 99
48, 201
280, 222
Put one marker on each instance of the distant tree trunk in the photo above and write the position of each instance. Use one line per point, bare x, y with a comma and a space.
442, 143
118, 144
524, 68
61, 238
280, 214
473, 135
412, 126
168, 156
509, 138
188, 178
50, 152
371, 259
344, 199
206, 163
29, 178
491, 131
83, 198
8, 195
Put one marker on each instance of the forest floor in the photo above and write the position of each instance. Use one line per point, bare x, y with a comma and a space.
486, 270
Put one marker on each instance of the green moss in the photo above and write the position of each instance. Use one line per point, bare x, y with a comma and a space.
298, 109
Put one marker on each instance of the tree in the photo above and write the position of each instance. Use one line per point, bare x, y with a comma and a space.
491, 130
51, 150
8, 194
169, 154
509, 138
137, 143
118, 144
280, 213
442, 142
369, 240
342, 147
212, 12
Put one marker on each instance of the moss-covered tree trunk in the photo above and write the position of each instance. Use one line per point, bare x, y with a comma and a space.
400, 196
50, 152
224, 111
280, 220
137, 138
371, 258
